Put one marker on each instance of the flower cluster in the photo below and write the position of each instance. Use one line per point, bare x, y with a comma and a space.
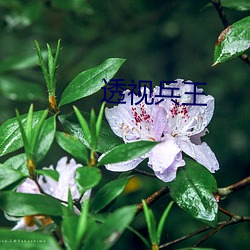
58, 189
179, 128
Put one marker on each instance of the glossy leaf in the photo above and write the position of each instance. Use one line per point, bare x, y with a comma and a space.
16, 240
232, 41
46, 137
241, 5
73, 146
193, 191
105, 235
107, 138
108, 193
10, 136
87, 177
20, 204
127, 152
8, 176
19, 90
90, 81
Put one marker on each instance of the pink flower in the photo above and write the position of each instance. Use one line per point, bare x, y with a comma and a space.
178, 126
58, 189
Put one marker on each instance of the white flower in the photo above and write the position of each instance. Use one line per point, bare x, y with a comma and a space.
178, 126
58, 189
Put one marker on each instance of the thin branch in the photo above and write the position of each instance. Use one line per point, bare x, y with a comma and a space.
223, 192
204, 229
226, 23
235, 220
224, 211
144, 173
152, 198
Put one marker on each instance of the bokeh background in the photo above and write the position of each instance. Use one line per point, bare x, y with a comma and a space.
160, 40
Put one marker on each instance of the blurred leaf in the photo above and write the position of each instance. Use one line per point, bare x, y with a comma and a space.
127, 152
78, 6
90, 81
107, 139
23, 17
232, 41
21, 204
20, 62
193, 191
73, 146
87, 177
195, 248
241, 5
19, 90
53, 174
108, 193
10, 136
9, 176
16, 240
10, 3
46, 137
105, 235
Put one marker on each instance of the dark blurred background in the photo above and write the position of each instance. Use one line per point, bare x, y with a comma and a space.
160, 40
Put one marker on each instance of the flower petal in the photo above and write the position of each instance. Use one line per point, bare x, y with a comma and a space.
165, 158
136, 122
201, 153
29, 187
125, 166
187, 120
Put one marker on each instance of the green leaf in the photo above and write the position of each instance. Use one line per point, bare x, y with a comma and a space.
162, 221
127, 152
232, 41
87, 177
19, 90
53, 174
108, 193
10, 136
73, 146
84, 125
46, 138
92, 128
105, 235
16, 240
193, 191
20, 204
69, 230
99, 121
90, 81
241, 5
8, 176
18, 162
151, 223
107, 139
